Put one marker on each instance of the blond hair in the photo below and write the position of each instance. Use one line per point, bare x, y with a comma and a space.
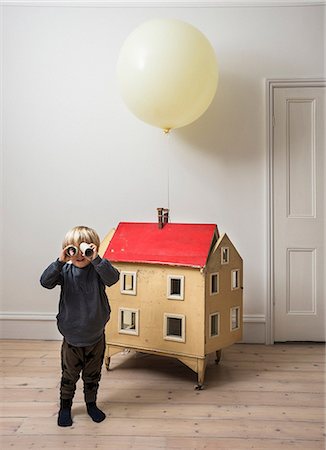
80, 234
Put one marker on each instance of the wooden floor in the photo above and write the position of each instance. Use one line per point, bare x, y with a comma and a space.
258, 397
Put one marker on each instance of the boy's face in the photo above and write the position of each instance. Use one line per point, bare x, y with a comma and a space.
79, 260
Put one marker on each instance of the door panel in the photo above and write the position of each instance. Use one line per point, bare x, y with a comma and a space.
301, 157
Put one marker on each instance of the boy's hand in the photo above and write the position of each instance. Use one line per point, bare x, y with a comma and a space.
63, 257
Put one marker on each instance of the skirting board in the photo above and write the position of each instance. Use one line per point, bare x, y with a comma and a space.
44, 327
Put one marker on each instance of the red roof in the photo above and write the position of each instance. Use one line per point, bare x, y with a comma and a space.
175, 244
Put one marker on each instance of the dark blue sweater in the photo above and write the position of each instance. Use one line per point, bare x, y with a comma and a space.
84, 307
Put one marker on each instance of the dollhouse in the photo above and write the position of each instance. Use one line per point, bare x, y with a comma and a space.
180, 291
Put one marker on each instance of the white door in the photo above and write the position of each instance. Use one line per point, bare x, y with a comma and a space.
298, 213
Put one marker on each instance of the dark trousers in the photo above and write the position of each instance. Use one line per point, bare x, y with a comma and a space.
85, 360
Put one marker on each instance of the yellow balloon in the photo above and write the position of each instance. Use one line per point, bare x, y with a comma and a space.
167, 73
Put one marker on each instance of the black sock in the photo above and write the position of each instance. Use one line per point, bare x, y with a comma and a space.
96, 414
64, 416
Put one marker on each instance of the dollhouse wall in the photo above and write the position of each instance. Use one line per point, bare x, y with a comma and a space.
73, 154
227, 298
152, 304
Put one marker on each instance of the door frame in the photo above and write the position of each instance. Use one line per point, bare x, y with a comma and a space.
271, 85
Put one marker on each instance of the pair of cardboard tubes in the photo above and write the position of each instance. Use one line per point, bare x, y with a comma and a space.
85, 248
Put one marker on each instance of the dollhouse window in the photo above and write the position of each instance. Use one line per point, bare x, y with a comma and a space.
174, 327
214, 283
128, 283
175, 288
225, 255
214, 325
235, 318
128, 321
235, 279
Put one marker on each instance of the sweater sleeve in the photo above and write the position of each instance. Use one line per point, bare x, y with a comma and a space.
52, 275
108, 274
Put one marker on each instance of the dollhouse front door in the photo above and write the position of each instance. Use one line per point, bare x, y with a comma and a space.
298, 217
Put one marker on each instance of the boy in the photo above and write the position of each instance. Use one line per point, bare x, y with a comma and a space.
83, 312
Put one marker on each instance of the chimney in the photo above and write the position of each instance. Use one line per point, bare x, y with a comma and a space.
165, 216
162, 217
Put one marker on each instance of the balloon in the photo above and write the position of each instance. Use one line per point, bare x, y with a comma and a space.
167, 73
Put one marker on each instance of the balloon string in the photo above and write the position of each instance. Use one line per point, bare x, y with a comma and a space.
168, 158
168, 172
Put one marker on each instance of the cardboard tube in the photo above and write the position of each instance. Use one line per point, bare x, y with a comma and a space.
86, 249
71, 250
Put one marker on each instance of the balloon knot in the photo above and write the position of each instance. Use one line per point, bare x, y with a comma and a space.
166, 130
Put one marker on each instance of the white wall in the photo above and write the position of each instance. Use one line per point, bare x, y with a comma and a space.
73, 154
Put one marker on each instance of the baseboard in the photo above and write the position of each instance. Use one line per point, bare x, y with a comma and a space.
43, 326
254, 329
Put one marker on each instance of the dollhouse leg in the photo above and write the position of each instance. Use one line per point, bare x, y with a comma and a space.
200, 374
218, 356
200, 383
110, 350
107, 362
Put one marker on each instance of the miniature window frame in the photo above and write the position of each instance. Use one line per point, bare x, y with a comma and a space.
172, 337
235, 318
134, 331
235, 279
133, 275
217, 317
211, 292
225, 255
170, 295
